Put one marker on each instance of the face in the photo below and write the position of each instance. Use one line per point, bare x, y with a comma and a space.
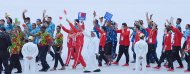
109, 24
178, 22
58, 29
2, 23
38, 22
43, 30
101, 19
46, 24
49, 20
27, 21
33, 26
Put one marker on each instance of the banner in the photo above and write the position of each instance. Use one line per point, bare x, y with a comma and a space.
81, 16
108, 16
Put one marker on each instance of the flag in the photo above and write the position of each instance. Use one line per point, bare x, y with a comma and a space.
108, 16
65, 12
82, 16
60, 17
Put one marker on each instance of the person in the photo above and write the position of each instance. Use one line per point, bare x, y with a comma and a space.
57, 46
101, 45
124, 44
2, 23
5, 42
29, 51
22, 39
114, 39
176, 47
185, 35
167, 49
151, 44
9, 26
33, 32
187, 54
178, 22
79, 43
45, 41
15, 51
141, 49
38, 23
70, 44
92, 53
27, 21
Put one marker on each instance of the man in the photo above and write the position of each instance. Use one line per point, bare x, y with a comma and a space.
187, 54
38, 23
9, 26
79, 43
44, 43
27, 21
124, 44
58, 46
29, 51
185, 35
5, 42
141, 49
15, 51
178, 22
92, 53
33, 32
2, 23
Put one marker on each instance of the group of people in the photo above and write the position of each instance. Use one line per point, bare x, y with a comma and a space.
35, 41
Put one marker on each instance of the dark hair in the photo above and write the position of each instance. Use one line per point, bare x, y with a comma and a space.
96, 21
188, 25
43, 27
59, 26
138, 27
10, 19
27, 18
76, 20
124, 24
2, 20
34, 24
168, 28
50, 17
104, 28
18, 27
179, 19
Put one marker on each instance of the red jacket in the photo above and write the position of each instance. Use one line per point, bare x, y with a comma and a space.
188, 44
137, 38
79, 34
152, 34
167, 41
102, 37
70, 37
177, 36
124, 37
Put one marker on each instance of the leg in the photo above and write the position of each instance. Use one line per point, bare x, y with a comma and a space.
68, 56
178, 57
56, 60
26, 66
17, 63
120, 53
32, 66
137, 66
126, 54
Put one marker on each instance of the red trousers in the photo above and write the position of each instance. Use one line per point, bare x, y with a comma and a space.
78, 57
70, 54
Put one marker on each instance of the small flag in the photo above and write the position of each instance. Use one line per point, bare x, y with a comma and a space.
108, 16
82, 16
65, 12
60, 17
16, 20
23, 25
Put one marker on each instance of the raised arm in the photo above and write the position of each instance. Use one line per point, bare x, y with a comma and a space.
44, 12
72, 26
66, 30
98, 29
23, 14
118, 31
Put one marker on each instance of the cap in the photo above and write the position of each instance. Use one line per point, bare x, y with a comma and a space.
141, 35
30, 38
38, 20
101, 17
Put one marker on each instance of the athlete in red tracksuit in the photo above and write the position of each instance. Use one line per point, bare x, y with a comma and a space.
102, 45
187, 54
176, 47
167, 48
124, 44
70, 44
137, 38
79, 44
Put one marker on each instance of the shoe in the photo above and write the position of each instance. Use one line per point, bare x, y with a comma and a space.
53, 69
133, 61
99, 65
170, 69
73, 67
156, 67
180, 67
97, 70
46, 69
147, 66
116, 63
41, 70
63, 68
125, 65
18, 72
86, 71
187, 71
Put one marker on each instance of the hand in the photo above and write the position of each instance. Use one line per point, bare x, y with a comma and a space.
94, 13
29, 58
67, 20
25, 11
44, 11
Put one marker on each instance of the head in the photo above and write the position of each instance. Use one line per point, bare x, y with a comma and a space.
49, 19
30, 38
2, 22
137, 27
103, 28
43, 29
95, 21
33, 25
27, 20
124, 26
187, 26
38, 22
101, 18
9, 20
46, 24
141, 36
109, 23
92, 34
3, 29
58, 28
76, 21
18, 28
141, 22
167, 28
178, 20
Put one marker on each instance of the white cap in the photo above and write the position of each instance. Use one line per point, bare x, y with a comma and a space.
141, 35
30, 38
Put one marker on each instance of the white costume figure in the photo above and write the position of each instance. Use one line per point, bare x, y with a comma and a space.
92, 51
29, 51
141, 49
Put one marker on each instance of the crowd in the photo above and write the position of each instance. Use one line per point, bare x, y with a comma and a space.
34, 42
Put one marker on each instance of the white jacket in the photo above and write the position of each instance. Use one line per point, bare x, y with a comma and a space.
30, 49
141, 48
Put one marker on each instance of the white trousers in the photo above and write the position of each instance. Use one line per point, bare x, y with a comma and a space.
29, 66
140, 66
92, 63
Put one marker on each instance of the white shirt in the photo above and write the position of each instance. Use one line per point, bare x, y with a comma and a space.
141, 48
30, 49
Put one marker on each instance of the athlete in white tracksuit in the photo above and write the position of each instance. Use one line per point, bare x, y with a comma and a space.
92, 52
141, 49
29, 51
